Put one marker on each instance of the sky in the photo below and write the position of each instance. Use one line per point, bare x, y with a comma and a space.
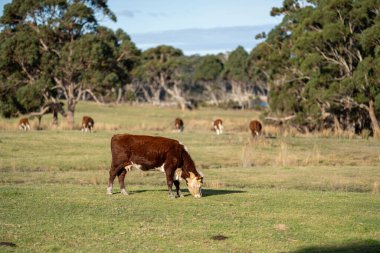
195, 26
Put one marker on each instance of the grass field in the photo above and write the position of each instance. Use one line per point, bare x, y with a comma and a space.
282, 193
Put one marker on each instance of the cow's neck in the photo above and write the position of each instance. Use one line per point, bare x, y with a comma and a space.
188, 165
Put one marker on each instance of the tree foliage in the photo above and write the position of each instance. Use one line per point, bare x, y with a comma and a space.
321, 63
56, 48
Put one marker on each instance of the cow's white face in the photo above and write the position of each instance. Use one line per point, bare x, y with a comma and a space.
194, 184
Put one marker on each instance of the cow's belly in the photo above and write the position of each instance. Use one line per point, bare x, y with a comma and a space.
145, 167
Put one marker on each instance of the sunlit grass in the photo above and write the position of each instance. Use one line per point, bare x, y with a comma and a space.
281, 192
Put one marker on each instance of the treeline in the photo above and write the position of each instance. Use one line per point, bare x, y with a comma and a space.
322, 64
51, 50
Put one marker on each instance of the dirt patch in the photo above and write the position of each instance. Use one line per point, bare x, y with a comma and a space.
219, 237
9, 244
280, 227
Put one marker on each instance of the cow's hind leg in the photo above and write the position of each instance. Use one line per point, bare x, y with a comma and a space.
110, 181
121, 176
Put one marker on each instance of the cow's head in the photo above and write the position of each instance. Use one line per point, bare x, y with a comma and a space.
194, 183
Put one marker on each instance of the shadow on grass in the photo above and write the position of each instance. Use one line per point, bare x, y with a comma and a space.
185, 192
211, 192
369, 246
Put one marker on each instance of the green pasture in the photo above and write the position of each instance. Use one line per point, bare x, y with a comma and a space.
278, 193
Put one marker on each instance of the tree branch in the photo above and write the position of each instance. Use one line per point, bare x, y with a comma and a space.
92, 95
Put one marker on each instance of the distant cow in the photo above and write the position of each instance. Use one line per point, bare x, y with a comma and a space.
178, 124
87, 124
255, 127
153, 153
218, 126
23, 124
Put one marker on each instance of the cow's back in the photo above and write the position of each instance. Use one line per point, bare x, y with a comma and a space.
178, 124
255, 127
218, 123
23, 124
24, 121
87, 121
148, 151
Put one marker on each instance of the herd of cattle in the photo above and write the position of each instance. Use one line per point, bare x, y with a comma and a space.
254, 126
154, 153
88, 124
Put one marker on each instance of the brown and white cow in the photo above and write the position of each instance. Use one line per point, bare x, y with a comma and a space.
23, 124
255, 127
218, 126
178, 124
87, 124
153, 153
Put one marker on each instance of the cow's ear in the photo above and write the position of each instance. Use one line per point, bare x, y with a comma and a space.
192, 175
200, 179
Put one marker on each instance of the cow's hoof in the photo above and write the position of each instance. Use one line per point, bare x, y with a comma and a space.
124, 192
171, 197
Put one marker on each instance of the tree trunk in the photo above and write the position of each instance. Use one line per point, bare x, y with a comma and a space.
156, 96
182, 103
71, 103
374, 122
237, 92
176, 94
119, 95
337, 127
55, 118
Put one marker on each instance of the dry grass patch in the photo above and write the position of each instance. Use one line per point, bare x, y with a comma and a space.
8, 126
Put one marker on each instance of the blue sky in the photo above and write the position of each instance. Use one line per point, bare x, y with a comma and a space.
195, 26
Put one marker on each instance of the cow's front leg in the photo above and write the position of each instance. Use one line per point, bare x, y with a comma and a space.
121, 175
176, 184
169, 179
110, 181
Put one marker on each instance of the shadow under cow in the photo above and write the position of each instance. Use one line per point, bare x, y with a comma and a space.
368, 246
211, 192
185, 192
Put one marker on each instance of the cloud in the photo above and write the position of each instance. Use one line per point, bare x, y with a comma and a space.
203, 41
157, 14
133, 13
128, 13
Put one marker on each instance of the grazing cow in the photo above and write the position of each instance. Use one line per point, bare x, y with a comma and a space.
178, 124
23, 124
87, 124
255, 127
153, 153
218, 126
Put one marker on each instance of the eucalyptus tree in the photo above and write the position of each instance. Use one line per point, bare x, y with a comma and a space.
339, 41
108, 59
55, 39
160, 70
208, 72
236, 72
330, 73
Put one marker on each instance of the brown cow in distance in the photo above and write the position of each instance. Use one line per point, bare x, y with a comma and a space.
255, 127
87, 124
23, 124
178, 124
153, 153
218, 126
